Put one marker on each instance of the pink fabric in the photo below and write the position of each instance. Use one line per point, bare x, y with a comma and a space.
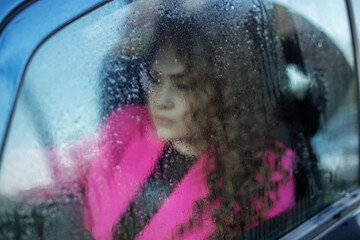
129, 150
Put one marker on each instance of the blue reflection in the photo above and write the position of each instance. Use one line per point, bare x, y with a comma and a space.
20, 38
6, 6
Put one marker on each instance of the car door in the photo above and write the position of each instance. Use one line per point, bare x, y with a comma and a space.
66, 66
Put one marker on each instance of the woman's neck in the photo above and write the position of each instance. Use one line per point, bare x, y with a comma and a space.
189, 149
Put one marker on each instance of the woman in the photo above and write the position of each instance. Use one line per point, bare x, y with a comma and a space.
200, 159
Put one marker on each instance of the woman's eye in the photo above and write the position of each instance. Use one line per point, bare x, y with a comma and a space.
155, 81
182, 86
154, 77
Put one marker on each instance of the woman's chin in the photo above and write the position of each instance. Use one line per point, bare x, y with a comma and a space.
167, 134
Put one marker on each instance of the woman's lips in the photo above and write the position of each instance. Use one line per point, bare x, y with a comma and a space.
163, 121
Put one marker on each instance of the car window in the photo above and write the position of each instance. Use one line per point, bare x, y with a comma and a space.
183, 119
339, 34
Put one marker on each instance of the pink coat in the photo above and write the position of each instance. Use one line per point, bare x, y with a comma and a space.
129, 150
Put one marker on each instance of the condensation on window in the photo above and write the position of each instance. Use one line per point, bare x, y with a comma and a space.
183, 119
332, 84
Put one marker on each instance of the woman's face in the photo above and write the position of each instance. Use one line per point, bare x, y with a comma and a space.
168, 99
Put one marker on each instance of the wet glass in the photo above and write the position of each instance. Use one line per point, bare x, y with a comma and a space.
183, 119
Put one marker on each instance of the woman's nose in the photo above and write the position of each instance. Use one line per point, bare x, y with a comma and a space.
165, 96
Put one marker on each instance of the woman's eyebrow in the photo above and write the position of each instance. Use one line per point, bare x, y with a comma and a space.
177, 76
171, 76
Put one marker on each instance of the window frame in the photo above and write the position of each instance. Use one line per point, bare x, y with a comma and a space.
12, 28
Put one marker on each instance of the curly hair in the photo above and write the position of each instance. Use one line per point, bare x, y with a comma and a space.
230, 115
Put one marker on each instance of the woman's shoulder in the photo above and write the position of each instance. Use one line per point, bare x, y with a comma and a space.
128, 116
125, 126
280, 156
280, 163
125, 122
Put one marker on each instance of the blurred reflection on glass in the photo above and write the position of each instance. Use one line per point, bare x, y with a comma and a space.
201, 150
